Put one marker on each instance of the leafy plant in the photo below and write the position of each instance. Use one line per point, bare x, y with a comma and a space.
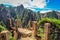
55, 26
11, 37
40, 32
2, 28
54, 21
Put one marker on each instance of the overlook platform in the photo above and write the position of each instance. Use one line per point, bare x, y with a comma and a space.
24, 31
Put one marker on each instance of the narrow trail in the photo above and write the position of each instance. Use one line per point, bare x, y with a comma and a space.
28, 38
26, 34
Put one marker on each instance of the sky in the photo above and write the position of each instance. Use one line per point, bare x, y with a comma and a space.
35, 5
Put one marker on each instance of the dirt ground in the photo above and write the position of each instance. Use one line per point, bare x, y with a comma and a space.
26, 32
28, 38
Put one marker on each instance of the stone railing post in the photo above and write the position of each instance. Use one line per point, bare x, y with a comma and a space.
4, 35
16, 29
34, 26
16, 24
46, 31
9, 24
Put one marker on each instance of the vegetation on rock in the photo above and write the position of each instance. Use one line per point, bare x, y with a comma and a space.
54, 29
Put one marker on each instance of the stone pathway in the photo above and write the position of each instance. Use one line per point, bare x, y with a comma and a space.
26, 34
24, 31
28, 38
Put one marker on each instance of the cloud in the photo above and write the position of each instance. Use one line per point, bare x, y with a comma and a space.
26, 3
13, 2
35, 9
44, 11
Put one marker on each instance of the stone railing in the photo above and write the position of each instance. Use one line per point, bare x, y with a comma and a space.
4, 35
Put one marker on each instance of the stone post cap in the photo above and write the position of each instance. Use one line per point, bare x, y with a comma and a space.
34, 21
5, 31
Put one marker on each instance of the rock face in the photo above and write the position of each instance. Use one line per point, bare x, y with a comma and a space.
11, 12
20, 8
23, 14
53, 14
58, 13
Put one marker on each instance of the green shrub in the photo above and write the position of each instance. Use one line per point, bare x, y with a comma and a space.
2, 28
55, 26
40, 32
54, 21
11, 37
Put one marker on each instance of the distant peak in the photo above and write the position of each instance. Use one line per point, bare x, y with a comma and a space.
20, 6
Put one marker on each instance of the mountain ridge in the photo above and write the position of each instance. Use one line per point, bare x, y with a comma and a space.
23, 14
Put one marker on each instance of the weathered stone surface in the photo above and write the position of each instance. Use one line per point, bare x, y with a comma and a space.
28, 38
24, 31
34, 26
46, 31
4, 35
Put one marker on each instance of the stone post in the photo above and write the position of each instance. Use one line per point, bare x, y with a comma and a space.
29, 24
9, 24
15, 35
5, 35
9, 20
46, 31
16, 29
16, 24
34, 26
